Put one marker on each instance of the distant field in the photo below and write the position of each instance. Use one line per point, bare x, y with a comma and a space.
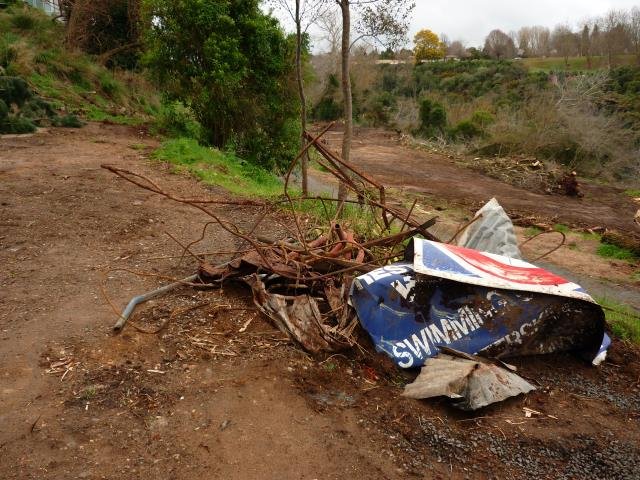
575, 63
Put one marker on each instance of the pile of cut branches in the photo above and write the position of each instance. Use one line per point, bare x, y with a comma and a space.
302, 282
524, 172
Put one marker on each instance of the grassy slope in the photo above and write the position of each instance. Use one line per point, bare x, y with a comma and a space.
575, 63
31, 47
241, 178
219, 168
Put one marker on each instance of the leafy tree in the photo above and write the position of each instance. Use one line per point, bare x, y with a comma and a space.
499, 45
475, 54
614, 33
534, 41
109, 28
428, 46
565, 42
232, 64
433, 118
457, 49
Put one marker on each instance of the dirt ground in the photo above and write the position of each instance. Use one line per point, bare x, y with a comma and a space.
220, 393
381, 154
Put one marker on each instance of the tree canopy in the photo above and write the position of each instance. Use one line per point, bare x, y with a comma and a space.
499, 45
428, 46
234, 66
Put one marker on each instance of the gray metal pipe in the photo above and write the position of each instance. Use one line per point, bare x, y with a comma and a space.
135, 301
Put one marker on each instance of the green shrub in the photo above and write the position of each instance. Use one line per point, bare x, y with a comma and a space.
14, 90
327, 109
379, 108
469, 79
482, 118
389, 81
36, 108
473, 127
23, 21
20, 110
15, 125
175, 119
68, 121
269, 151
433, 117
466, 130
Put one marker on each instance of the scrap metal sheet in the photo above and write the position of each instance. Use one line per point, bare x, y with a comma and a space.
489, 270
474, 302
472, 382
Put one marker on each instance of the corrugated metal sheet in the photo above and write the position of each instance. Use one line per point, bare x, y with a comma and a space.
472, 382
492, 233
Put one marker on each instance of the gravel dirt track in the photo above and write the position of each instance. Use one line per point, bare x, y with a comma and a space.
204, 399
380, 153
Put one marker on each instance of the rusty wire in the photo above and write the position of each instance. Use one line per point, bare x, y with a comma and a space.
561, 244
316, 255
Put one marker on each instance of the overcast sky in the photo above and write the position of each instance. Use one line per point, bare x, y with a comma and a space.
472, 20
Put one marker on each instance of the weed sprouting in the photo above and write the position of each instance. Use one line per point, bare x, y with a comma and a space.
624, 320
606, 250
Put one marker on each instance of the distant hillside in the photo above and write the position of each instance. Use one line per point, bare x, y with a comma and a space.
587, 120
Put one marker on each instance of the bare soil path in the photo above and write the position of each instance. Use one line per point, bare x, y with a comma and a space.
220, 393
380, 153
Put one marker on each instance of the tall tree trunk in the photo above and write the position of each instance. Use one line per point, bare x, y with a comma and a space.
346, 89
77, 24
304, 161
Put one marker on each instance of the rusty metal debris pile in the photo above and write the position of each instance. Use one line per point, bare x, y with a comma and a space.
303, 282
422, 302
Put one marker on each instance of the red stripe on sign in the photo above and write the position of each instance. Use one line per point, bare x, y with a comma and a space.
511, 273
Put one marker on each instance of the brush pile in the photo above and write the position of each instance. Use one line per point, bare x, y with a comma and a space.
302, 282
521, 171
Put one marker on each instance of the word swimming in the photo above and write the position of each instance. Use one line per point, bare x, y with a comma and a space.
441, 332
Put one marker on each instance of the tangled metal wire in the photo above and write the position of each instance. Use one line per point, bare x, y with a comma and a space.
302, 282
